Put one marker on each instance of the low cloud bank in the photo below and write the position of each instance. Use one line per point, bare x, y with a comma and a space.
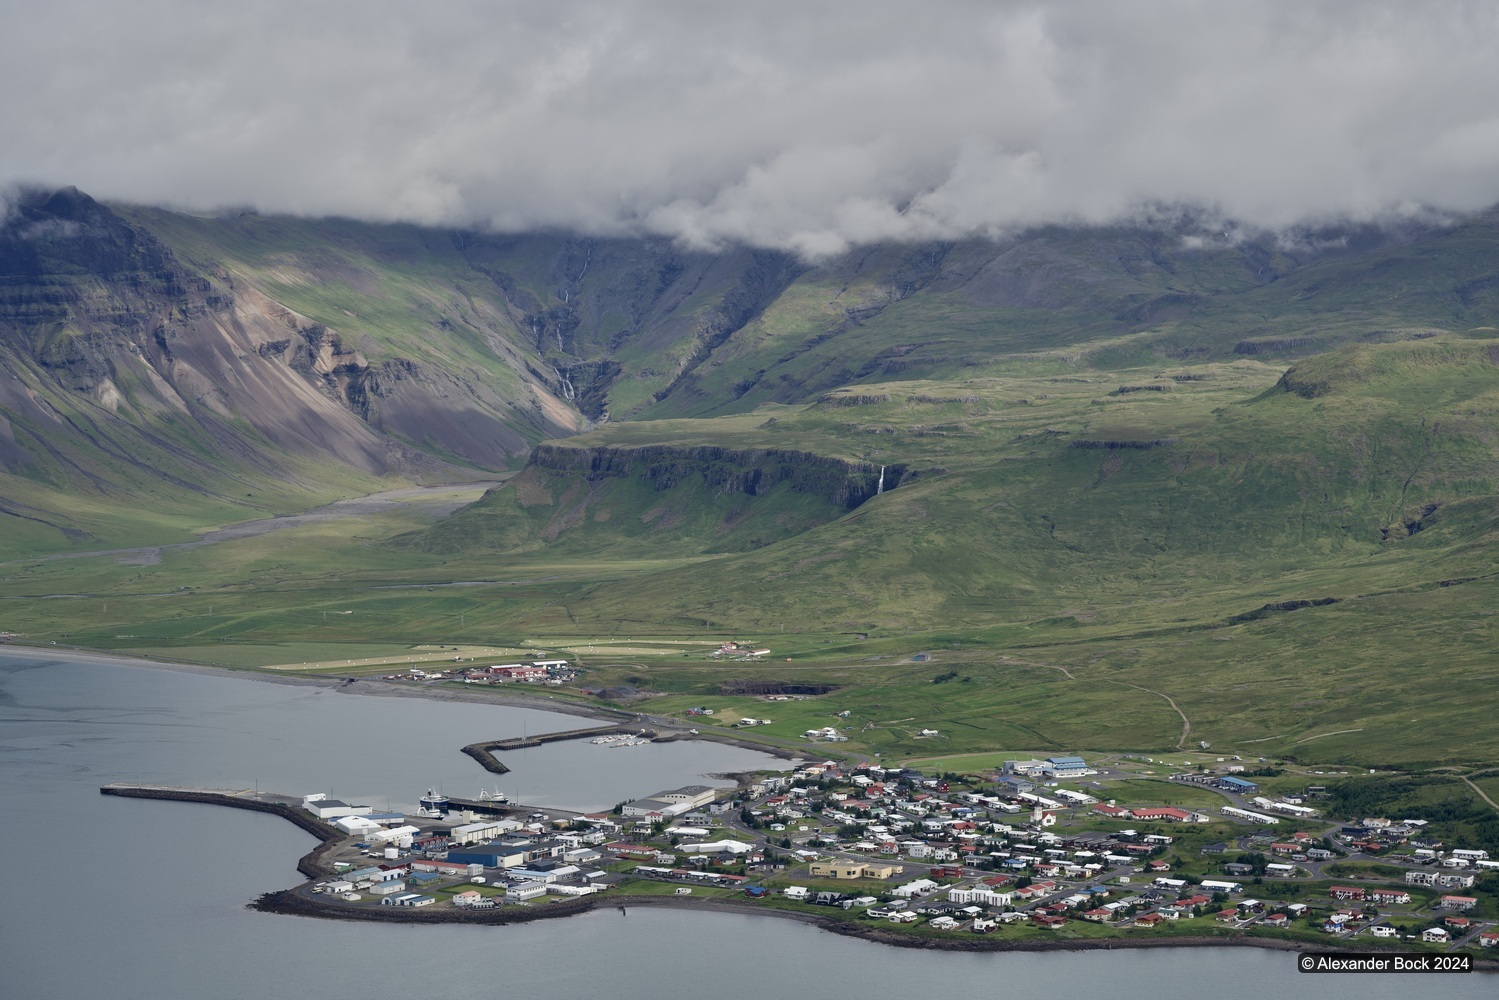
798, 125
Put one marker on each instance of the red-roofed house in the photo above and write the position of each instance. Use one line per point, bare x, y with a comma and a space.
1161, 812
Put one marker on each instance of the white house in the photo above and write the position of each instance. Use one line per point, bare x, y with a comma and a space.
525, 891
913, 888
716, 847
980, 894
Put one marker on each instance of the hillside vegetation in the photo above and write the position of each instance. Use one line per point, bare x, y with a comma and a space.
1129, 488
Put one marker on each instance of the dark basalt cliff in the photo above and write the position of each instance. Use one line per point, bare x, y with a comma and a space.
752, 472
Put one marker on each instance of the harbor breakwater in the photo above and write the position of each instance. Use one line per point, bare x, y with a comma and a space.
310, 864
484, 751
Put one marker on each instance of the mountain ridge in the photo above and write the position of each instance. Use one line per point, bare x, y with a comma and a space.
308, 356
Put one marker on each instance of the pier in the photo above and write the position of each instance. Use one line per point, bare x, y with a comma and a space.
484, 752
287, 807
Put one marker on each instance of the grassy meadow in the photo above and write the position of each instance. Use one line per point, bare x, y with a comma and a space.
1296, 566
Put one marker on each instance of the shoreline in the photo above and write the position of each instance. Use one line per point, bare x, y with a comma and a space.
668, 730
296, 901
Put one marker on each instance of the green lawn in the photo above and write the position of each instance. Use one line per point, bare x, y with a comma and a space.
1142, 792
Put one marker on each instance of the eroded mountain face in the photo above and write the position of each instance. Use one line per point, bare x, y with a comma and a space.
103, 325
140, 346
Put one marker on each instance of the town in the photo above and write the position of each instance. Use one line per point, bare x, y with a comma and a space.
1040, 849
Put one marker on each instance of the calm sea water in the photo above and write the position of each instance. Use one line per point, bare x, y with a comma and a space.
120, 898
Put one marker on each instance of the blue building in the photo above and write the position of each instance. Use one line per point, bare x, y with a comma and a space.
1067, 767
490, 856
1233, 784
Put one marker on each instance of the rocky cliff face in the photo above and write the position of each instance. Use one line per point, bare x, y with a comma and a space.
214, 353
751, 472
661, 499
112, 348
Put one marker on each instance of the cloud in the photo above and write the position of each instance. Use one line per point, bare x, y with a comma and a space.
803, 125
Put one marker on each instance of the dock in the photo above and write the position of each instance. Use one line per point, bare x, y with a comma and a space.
483, 752
286, 806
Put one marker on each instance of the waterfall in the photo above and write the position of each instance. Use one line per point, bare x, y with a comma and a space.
568, 392
880, 487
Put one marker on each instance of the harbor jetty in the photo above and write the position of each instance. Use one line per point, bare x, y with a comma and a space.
484, 752
311, 864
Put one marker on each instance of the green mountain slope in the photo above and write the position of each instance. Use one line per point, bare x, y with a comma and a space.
150, 385
1229, 485
1015, 498
311, 357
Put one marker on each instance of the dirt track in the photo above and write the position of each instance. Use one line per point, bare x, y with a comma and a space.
438, 501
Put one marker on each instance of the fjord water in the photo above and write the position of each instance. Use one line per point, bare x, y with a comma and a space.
130, 898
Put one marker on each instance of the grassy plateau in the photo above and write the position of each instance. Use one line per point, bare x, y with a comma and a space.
1123, 495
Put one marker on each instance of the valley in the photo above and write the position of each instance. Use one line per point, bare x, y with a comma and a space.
1125, 491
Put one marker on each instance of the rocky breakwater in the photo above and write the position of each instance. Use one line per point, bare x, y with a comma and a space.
310, 864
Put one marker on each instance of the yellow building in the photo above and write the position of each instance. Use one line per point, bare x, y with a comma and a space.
852, 870
882, 871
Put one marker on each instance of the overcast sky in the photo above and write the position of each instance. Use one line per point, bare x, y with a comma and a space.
802, 124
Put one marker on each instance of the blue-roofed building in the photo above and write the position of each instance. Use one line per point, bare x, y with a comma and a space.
490, 856
1233, 784
387, 818
1067, 767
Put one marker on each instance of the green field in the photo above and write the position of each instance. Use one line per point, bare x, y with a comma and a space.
1146, 501
1160, 793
